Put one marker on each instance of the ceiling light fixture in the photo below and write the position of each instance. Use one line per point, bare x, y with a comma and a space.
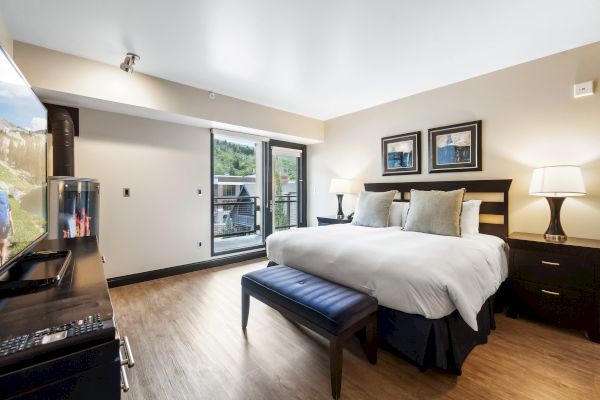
129, 62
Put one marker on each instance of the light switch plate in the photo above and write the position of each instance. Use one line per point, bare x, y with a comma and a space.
583, 89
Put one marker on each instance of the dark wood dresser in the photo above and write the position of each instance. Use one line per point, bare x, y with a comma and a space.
559, 282
333, 220
86, 364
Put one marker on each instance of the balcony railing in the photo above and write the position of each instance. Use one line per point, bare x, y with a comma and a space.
235, 216
286, 211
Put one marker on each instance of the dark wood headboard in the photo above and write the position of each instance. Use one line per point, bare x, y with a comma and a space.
494, 211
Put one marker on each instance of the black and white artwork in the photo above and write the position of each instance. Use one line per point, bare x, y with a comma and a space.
455, 148
401, 154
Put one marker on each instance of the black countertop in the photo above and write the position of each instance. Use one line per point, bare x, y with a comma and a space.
82, 291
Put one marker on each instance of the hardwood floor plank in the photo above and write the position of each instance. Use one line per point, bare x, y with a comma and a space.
186, 336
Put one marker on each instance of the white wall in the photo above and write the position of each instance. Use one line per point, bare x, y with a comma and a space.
6, 40
530, 119
164, 164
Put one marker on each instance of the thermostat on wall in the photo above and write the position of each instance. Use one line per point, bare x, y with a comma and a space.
583, 89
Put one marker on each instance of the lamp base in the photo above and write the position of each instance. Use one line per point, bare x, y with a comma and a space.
555, 232
340, 212
555, 238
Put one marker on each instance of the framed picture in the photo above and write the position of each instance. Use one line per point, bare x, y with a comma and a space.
401, 154
455, 148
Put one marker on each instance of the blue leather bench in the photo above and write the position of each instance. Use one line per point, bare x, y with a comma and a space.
333, 311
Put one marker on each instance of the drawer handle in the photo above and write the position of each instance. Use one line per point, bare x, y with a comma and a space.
128, 360
124, 380
550, 292
551, 264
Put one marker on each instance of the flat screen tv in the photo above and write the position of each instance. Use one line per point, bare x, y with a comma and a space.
23, 166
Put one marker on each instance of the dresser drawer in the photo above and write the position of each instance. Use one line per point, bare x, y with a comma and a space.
557, 270
564, 306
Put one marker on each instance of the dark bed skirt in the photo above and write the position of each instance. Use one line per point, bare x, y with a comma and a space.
441, 343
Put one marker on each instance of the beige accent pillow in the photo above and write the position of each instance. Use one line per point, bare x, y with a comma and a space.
397, 212
373, 208
435, 211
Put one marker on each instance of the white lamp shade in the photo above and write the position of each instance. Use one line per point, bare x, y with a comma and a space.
344, 186
557, 181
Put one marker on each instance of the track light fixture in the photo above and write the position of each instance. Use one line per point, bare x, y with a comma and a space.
129, 62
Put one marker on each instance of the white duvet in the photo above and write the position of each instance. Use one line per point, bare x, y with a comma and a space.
416, 273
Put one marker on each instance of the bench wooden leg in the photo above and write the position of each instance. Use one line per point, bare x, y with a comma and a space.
336, 349
245, 309
371, 339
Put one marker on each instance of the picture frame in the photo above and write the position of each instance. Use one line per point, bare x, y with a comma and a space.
401, 154
455, 148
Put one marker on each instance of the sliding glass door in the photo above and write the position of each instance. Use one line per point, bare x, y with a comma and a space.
287, 186
237, 192
258, 188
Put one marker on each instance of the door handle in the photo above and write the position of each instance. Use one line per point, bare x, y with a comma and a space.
550, 292
124, 380
551, 264
128, 360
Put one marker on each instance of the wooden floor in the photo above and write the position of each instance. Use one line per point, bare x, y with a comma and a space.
186, 337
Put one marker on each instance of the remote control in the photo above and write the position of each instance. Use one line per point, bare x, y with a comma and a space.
14, 348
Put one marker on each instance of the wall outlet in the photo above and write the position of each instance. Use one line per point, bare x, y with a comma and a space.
583, 89
126, 192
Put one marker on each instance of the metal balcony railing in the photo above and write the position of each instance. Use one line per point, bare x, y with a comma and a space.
286, 211
235, 216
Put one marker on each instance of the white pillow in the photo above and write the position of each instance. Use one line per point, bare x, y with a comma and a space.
398, 212
469, 218
405, 212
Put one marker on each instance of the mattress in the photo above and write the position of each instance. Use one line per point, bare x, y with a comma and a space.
412, 272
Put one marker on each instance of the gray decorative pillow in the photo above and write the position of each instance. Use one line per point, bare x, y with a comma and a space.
373, 208
435, 212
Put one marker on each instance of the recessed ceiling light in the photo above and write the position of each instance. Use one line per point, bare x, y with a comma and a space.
129, 62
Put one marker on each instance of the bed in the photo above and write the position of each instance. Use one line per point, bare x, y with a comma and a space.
436, 293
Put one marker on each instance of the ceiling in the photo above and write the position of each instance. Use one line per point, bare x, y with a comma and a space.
318, 58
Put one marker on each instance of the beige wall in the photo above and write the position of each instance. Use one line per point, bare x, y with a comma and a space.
530, 119
6, 40
163, 164
56, 72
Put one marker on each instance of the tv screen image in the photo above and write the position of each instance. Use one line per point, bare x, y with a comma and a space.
23, 158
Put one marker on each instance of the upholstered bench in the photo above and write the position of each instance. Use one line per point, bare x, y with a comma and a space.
331, 310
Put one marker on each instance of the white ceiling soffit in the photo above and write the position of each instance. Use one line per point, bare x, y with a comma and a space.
317, 58
72, 100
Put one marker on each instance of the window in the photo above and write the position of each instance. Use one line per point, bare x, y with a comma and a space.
237, 196
229, 190
288, 188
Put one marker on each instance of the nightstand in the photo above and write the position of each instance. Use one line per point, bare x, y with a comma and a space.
332, 220
559, 282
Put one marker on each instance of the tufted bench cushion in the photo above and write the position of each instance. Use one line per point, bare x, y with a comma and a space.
330, 306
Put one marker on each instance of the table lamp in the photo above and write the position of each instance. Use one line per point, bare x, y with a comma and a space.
556, 183
341, 187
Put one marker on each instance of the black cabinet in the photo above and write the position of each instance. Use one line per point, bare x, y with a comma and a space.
332, 220
558, 282
88, 366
